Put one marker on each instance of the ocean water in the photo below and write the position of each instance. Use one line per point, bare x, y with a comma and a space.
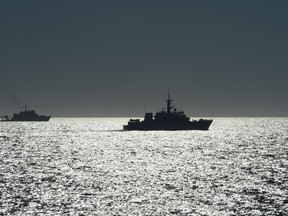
91, 167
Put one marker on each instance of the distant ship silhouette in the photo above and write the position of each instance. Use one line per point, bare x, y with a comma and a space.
171, 119
26, 115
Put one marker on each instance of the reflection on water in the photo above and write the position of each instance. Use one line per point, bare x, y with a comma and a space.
90, 167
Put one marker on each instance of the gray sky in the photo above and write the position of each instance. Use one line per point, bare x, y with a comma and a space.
103, 58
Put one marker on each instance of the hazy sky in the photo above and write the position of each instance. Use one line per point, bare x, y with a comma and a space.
103, 58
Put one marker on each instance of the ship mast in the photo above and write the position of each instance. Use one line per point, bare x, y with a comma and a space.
169, 102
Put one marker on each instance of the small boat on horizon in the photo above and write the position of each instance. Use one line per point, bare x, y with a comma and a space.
26, 115
171, 119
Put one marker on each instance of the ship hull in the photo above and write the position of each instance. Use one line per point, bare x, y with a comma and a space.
39, 119
191, 125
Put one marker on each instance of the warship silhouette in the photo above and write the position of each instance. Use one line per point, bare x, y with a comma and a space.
171, 119
26, 115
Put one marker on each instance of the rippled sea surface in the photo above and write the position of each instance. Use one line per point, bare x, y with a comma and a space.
91, 167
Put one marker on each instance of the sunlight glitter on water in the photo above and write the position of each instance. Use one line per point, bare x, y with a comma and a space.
91, 167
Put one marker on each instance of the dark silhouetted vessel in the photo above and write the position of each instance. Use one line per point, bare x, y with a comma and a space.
26, 115
171, 119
